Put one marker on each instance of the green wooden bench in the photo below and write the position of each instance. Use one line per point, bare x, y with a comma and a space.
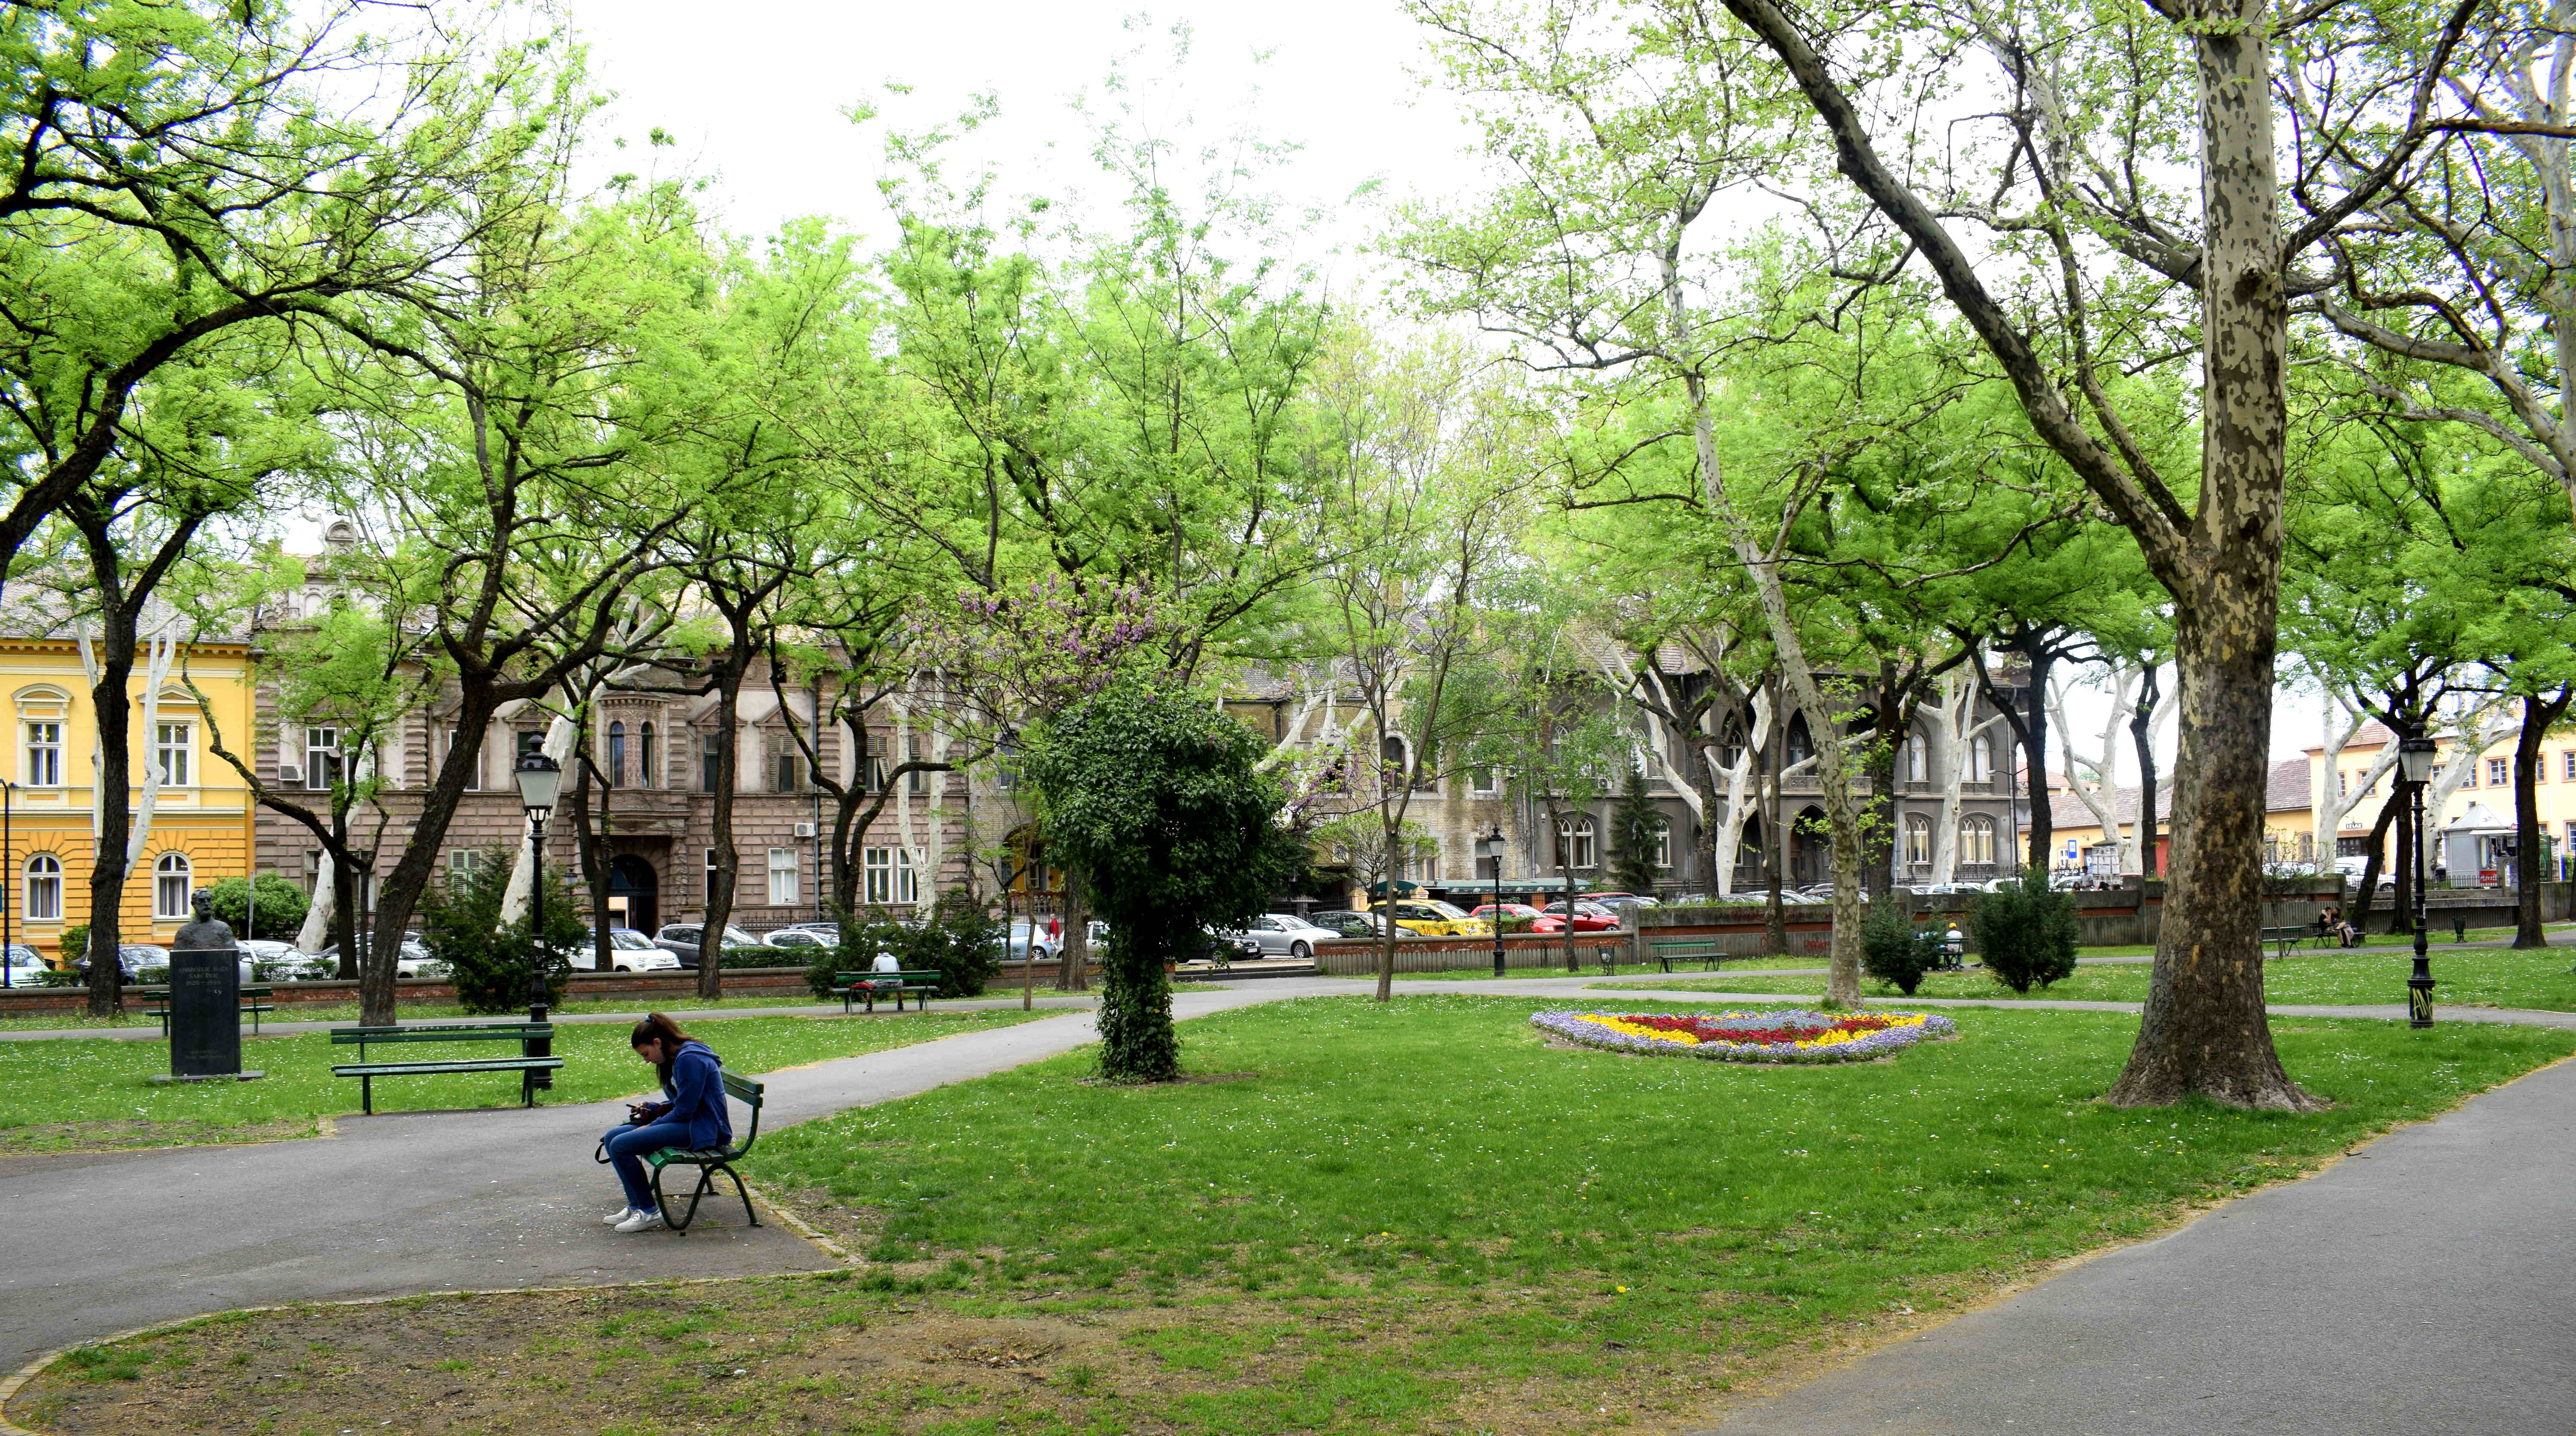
251, 1002
867, 987
2286, 938
521, 1032
1706, 951
711, 1161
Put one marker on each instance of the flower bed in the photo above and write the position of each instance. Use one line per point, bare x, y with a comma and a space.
1792, 1035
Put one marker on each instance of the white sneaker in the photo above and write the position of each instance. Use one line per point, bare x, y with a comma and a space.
640, 1222
619, 1215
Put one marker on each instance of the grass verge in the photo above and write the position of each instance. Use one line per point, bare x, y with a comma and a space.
2477, 976
57, 1096
1355, 1219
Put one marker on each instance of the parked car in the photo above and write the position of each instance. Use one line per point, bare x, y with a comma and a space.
1219, 948
1519, 916
415, 960
628, 951
24, 967
1588, 916
1431, 917
1020, 946
803, 940
1348, 923
681, 939
1284, 934
1616, 899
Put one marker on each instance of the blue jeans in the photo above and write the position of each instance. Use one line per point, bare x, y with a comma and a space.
626, 1149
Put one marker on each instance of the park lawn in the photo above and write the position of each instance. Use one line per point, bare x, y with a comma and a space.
83, 1094
1354, 1218
2540, 980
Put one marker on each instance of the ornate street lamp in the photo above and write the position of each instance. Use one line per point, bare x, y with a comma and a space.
540, 779
2415, 759
1491, 846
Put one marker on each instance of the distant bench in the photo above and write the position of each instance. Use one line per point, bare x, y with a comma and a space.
367, 1072
2286, 938
1708, 952
867, 987
252, 1001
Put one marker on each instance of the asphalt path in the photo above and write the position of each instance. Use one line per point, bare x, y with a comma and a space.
2418, 1285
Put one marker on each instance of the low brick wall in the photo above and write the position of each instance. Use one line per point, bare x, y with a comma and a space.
1358, 957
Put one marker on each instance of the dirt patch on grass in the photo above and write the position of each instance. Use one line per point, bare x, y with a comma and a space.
136, 1133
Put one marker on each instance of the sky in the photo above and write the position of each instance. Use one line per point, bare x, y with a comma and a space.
756, 95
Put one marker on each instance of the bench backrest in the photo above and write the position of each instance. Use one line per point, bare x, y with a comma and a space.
747, 1091
844, 979
466, 1032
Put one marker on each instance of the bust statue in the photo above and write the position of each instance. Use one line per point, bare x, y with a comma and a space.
207, 932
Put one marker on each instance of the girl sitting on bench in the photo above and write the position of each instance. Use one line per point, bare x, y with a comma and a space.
693, 1118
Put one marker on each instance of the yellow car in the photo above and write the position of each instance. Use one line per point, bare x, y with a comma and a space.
1433, 918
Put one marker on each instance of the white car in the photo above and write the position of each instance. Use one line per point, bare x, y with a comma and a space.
804, 940
24, 967
628, 951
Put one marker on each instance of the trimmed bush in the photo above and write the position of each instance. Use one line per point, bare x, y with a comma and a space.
1892, 950
959, 941
281, 906
458, 919
2026, 934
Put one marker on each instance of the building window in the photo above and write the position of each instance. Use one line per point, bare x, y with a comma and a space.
616, 773
531, 742
2499, 772
474, 764
2567, 765
1918, 838
1391, 760
174, 745
1918, 759
321, 758
44, 755
710, 762
1574, 843
1981, 759
648, 762
1800, 744
1664, 845
790, 774
1976, 839
890, 877
782, 877
170, 886
1483, 782
712, 867
44, 889
918, 780
463, 863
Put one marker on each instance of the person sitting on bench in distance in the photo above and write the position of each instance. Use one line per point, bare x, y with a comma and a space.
693, 1118
2331, 922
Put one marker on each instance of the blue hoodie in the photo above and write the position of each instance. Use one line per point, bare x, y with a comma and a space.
697, 1096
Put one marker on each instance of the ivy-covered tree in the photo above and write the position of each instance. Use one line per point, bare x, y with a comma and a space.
1158, 797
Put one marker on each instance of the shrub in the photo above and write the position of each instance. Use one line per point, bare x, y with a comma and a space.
1892, 951
2026, 933
75, 944
458, 921
958, 940
281, 906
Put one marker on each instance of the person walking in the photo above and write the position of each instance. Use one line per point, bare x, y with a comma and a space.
694, 1117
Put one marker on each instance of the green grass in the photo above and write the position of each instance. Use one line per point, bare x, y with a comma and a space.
78, 1094
2488, 976
1413, 1217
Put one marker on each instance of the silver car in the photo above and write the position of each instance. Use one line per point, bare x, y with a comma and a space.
1284, 934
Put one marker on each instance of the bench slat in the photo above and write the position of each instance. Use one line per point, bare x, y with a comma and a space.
399, 1069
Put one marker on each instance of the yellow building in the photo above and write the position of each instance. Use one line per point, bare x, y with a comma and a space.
2287, 821
201, 814
2482, 800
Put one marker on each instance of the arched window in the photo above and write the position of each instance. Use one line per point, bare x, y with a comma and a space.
1801, 743
1976, 839
1918, 759
1918, 838
1730, 743
171, 886
44, 889
616, 766
1391, 754
1575, 843
1981, 759
645, 759
1663, 844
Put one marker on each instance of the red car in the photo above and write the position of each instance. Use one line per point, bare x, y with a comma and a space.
1588, 917
1515, 914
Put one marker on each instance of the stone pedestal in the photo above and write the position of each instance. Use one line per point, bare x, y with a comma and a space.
205, 1012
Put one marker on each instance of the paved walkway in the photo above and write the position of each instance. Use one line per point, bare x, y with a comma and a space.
2413, 1286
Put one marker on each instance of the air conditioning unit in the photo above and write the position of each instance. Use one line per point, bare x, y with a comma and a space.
804, 830
288, 773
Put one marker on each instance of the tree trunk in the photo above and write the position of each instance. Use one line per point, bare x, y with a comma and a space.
2034, 723
476, 705
2391, 811
586, 845
1775, 851
728, 870
1137, 1043
1073, 958
113, 710
2204, 1030
2142, 726
2538, 717
1891, 720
